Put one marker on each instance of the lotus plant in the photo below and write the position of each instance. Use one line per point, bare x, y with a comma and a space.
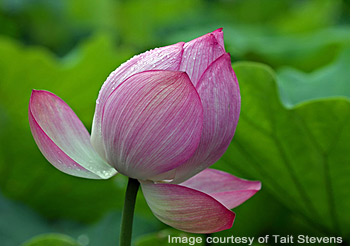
161, 118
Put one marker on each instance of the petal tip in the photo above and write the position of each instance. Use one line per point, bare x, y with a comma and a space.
259, 185
219, 35
231, 221
37, 93
218, 30
34, 92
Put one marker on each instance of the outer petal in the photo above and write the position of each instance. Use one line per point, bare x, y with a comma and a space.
187, 209
152, 123
63, 139
200, 53
226, 188
165, 58
219, 35
219, 92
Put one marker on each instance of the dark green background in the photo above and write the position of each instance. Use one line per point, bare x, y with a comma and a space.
293, 132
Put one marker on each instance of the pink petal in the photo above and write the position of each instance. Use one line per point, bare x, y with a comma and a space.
219, 92
164, 58
226, 188
152, 123
219, 35
187, 209
63, 139
199, 54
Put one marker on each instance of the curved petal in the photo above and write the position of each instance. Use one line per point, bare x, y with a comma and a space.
164, 58
199, 54
63, 139
152, 123
187, 209
219, 92
224, 187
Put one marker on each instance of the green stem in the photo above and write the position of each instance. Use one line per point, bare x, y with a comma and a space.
128, 211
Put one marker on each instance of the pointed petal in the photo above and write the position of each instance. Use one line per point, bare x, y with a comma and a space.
63, 139
226, 188
219, 35
219, 92
199, 54
187, 209
152, 123
164, 58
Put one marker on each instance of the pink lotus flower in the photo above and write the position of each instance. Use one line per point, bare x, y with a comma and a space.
163, 117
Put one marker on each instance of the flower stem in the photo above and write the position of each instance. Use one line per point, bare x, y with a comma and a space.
128, 211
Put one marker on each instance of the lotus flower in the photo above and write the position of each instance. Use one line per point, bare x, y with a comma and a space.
163, 117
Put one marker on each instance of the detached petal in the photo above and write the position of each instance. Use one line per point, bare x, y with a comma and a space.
187, 209
226, 188
199, 54
219, 92
152, 123
164, 58
63, 139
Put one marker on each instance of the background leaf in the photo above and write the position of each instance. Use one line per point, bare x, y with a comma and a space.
329, 81
19, 223
52, 239
301, 155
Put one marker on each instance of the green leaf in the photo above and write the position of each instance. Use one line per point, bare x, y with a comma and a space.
330, 81
19, 223
301, 155
306, 51
51, 239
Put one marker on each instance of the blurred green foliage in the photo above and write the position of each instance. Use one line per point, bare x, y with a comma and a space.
329, 81
300, 154
19, 223
53, 239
